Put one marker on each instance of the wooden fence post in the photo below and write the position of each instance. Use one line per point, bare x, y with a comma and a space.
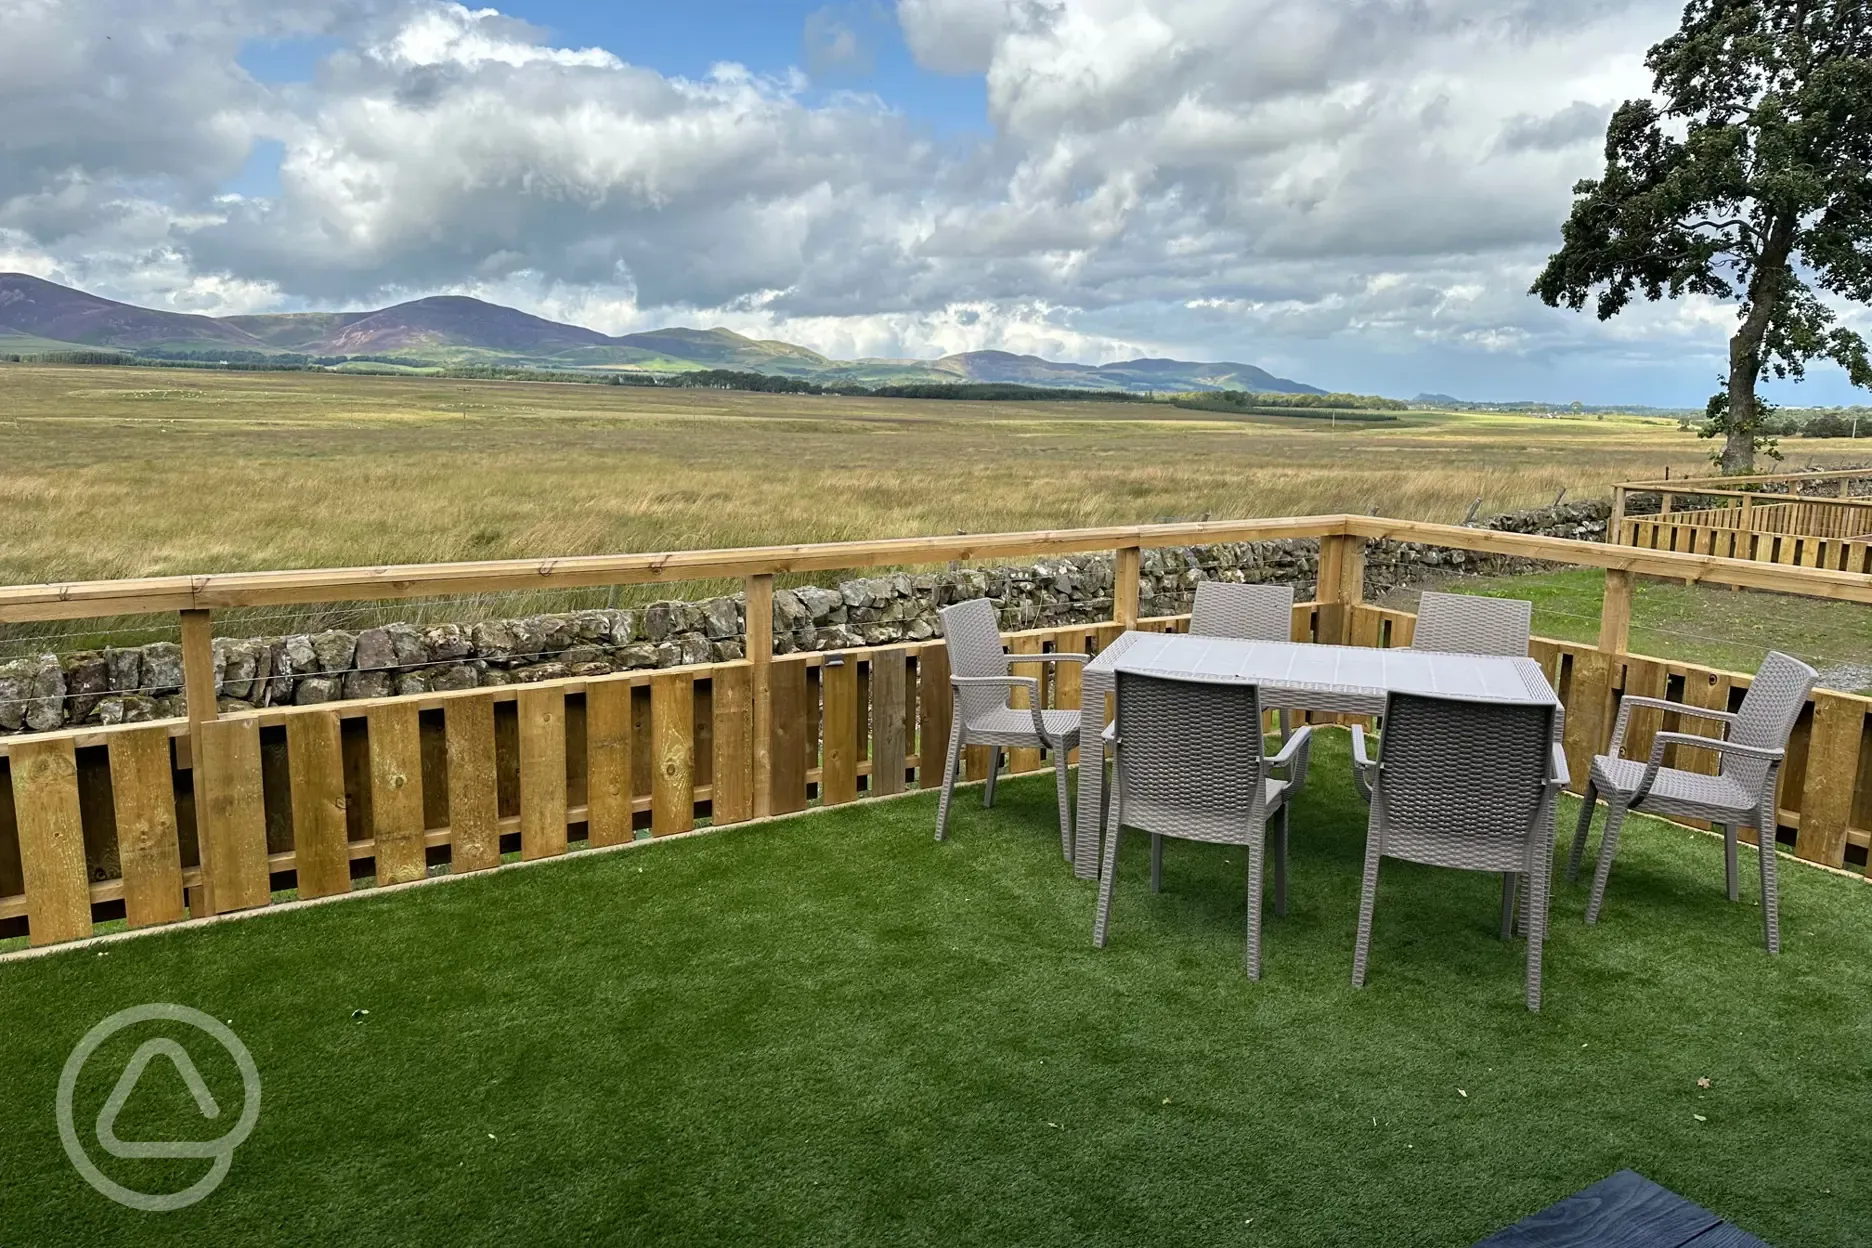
1615, 612
1615, 531
759, 612
198, 688
1125, 586
1341, 586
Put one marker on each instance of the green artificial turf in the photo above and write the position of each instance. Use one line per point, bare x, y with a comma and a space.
834, 1030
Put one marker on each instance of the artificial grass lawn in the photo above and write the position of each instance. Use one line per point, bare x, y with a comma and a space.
835, 1030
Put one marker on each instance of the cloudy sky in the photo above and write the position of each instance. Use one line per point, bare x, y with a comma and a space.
1355, 193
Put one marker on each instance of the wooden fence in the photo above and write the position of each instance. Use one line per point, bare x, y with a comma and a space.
1792, 525
158, 822
1731, 533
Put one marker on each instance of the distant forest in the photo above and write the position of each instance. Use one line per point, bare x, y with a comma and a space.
1353, 408
1350, 407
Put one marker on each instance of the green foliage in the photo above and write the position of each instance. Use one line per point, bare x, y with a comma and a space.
1748, 179
1350, 408
1310, 402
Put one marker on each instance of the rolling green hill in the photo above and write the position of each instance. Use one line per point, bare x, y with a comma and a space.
456, 330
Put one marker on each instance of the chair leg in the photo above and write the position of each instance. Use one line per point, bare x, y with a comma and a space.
1108, 867
1280, 867
1510, 897
1156, 863
951, 764
1368, 896
1257, 868
1770, 891
1588, 800
1731, 867
1065, 801
1539, 887
994, 771
1608, 846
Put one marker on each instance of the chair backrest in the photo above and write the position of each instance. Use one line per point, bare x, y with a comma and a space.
1469, 624
1767, 715
1189, 755
1250, 612
972, 632
1456, 777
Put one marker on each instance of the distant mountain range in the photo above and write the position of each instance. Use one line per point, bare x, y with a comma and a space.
37, 316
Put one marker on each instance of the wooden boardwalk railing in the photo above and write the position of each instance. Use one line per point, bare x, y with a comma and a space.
163, 821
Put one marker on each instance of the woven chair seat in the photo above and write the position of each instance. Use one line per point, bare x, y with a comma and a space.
1672, 787
1008, 726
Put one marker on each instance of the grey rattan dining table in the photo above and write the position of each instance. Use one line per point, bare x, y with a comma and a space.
1304, 676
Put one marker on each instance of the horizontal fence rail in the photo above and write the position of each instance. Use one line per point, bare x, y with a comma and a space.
157, 822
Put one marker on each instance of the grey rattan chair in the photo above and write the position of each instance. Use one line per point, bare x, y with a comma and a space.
1253, 612
1468, 624
1188, 763
1740, 794
1249, 612
979, 677
1471, 785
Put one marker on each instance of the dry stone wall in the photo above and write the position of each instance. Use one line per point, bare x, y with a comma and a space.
41, 693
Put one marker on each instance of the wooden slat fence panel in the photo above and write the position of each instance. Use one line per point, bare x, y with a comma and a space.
889, 691
321, 851
231, 815
732, 782
934, 709
608, 763
473, 802
672, 720
51, 841
542, 773
397, 793
788, 677
143, 790
1839, 724
838, 679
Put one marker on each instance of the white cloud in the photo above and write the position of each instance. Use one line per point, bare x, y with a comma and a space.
1356, 192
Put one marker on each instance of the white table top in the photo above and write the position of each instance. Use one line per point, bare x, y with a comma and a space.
1348, 671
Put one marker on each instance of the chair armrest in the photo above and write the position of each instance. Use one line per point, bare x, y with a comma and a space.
1711, 743
1010, 682
1363, 769
1295, 756
1359, 758
1056, 656
1628, 703
1679, 707
1557, 771
1295, 744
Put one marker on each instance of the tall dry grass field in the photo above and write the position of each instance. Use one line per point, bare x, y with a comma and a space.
108, 472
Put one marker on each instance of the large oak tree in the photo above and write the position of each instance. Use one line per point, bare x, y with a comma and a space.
1748, 178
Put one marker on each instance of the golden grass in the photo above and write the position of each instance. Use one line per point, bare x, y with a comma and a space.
121, 472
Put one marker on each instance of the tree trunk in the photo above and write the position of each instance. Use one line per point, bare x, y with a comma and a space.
1745, 348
